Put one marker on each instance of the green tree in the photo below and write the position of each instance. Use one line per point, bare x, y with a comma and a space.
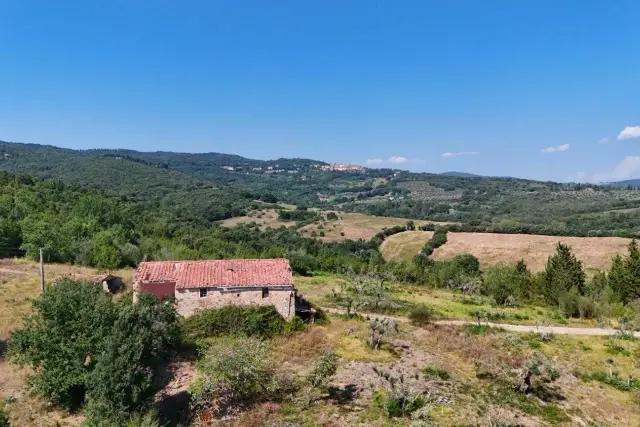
468, 263
105, 249
562, 272
138, 345
631, 289
523, 281
618, 277
10, 238
61, 339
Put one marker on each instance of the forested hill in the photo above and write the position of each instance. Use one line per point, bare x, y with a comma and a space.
214, 186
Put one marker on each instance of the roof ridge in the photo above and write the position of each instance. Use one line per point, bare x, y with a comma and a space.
214, 260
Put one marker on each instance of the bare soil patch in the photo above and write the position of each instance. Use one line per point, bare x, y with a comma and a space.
495, 248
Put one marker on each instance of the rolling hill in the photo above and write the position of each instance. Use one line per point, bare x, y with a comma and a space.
479, 204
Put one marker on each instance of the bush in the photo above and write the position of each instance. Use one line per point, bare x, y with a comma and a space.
263, 322
84, 347
402, 404
420, 315
613, 379
324, 367
296, 324
131, 357
435, 372
468, 263
237, 368
4, 419
72, 319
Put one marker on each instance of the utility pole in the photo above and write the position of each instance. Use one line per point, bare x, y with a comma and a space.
41, 272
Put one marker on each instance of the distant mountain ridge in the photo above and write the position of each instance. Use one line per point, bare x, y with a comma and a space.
215, 186
626, 183
460, 174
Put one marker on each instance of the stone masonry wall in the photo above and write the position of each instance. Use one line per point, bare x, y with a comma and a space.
189, 301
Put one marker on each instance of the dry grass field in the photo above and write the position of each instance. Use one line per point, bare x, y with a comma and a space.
356, 226
349, 225
264, 218
404, 246
493, 248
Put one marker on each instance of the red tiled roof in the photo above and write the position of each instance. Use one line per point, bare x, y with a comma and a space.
212, 273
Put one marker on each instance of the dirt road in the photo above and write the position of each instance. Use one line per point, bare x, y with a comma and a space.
559, 330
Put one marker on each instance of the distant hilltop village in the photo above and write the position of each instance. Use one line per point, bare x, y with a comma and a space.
342, 167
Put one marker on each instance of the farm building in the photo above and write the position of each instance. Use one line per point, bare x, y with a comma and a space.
109, 282
199, 285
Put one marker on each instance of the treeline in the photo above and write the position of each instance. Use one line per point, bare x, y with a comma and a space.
94, 228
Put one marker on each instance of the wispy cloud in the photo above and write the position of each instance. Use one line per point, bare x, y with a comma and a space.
628, 168
393, 160
397, 160
461, 153
629, 132
603, 140
563, 147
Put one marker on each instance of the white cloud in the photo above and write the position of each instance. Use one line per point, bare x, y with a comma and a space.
461, 153
629, 132
603, 140
628, 168
397, 160
563, 147
374, 161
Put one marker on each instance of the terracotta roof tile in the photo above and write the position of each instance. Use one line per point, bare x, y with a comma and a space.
212, 273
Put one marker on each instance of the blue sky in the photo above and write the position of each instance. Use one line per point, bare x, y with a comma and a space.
398, 83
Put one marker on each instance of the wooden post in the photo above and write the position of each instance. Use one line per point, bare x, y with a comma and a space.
41, 272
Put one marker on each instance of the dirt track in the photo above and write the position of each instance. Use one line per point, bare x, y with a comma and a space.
559, 330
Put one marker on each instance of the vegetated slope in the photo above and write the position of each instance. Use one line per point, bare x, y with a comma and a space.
495, 248
188, 196
479, 204
404, 246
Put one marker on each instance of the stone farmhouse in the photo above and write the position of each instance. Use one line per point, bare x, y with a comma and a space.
198, 285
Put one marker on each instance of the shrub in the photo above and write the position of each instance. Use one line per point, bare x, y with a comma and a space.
260, 322
86, 348
237, 368
613, 379
420, 315
403, 404
332, 216
4, 419
468, 263
72, 319
130, 359
324, 367
296, 324
435, 372
148, 419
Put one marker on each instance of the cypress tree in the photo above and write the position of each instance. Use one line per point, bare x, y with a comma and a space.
624, 276
563, 271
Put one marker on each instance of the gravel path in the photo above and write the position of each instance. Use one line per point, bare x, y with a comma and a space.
559, 330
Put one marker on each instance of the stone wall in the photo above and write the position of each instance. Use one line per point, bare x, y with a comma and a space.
282, 298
